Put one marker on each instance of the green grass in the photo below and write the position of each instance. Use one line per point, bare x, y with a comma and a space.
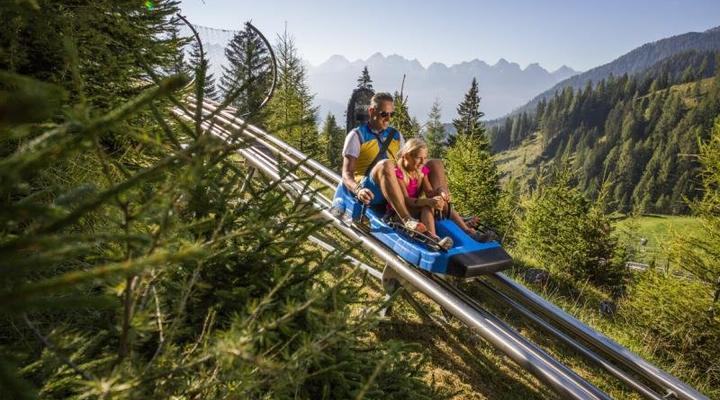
519, 161
658, 230
582, 300
686, 90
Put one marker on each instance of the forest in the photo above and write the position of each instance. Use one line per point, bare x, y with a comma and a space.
639, 132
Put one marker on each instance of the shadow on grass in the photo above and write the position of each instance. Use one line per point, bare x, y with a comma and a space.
579, 294
658, 216
467, 363
507, 159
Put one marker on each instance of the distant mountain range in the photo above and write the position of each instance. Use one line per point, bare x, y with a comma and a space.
635, 61
503, 85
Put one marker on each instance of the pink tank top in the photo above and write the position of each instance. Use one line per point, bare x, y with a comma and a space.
413, 184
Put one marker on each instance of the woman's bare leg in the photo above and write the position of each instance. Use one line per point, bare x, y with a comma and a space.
427, 218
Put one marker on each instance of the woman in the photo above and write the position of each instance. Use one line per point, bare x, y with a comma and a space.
413, 176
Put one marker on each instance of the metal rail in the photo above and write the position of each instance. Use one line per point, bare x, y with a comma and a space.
615, 351
278, 146
612, 369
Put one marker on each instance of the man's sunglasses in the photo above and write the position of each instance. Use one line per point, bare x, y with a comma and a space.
385, 114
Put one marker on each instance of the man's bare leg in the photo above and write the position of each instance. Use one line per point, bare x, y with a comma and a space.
384, 175
437, 176
439, 182
459, 221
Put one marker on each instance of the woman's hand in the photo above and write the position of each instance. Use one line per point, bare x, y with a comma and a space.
436, 202
444, 194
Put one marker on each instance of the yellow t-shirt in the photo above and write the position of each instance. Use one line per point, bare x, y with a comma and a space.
364, 144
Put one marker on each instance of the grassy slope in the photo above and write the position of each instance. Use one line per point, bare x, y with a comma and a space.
582, 300
460, 364
657, 230
519, 162
463, 366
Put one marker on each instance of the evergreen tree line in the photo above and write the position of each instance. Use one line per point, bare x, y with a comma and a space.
680, 68
637, 132
134, 262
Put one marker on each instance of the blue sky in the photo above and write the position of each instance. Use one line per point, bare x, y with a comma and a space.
580, 34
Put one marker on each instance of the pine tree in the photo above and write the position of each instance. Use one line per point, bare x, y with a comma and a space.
178, 64
34, 46
402, 121
474, 179
515, 131
540, 112
246, 78
504, 140
469, 114
434, 133
688, 75
197, 66
568, 233
364, 81
472, 173
291, 114
700, 254
333, 138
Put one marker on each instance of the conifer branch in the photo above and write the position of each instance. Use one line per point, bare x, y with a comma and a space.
70, 279
52, 347
371, 379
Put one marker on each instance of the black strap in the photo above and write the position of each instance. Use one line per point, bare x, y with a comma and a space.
383, 149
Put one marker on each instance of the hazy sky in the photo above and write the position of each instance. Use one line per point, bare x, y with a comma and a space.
581, 34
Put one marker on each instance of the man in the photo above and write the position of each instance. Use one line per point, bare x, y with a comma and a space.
360, 154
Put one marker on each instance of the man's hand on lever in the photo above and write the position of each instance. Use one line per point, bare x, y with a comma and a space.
365, 195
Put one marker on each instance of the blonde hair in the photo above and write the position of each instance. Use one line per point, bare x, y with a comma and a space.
411, 148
